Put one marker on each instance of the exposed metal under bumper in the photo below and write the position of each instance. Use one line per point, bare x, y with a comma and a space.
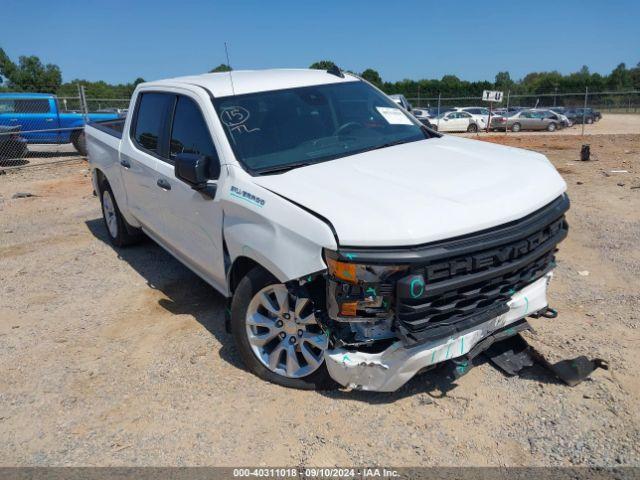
389, 370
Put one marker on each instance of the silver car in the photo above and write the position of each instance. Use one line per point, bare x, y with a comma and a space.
532, 120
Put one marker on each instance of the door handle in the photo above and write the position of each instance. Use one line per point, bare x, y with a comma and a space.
163, 184
13, 119
48, 119
125, 163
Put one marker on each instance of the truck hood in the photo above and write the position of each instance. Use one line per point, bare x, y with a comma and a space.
422, 191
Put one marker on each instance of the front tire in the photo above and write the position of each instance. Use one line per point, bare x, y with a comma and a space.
589, 121
551, 127
120, 232
277, 335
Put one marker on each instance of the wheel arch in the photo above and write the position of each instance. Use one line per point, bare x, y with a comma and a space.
239, 269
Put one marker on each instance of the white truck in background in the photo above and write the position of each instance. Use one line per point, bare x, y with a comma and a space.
354, 245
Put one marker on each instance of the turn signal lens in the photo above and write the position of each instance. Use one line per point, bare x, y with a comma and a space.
343, 271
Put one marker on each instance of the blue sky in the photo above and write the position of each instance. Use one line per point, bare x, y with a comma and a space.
118, 40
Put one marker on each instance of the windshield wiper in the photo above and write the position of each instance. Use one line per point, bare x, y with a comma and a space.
283, 168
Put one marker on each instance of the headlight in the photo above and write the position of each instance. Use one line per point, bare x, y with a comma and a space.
359, 290
358, 273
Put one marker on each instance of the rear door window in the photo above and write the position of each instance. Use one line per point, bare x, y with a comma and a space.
150, 120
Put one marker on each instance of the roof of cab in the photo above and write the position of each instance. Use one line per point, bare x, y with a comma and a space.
252, 81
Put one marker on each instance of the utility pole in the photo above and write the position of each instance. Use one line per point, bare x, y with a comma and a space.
584, 110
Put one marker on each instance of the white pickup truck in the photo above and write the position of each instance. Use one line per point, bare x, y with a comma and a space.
355, 246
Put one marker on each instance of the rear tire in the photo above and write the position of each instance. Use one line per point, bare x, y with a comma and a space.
589, 120
80, 143
473, 128
516, 127
120, 232
245, 297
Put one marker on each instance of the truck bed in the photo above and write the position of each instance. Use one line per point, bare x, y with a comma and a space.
112, 127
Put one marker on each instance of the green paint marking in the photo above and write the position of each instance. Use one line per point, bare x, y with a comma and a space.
433, 356
447, 354
526, 307
511, 291
345, 359
462, 367
350, 256
461, 345
372, 291
412, 287
346, 274
309, 278
385, 304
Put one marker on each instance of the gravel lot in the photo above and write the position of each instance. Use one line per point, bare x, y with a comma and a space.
114, 357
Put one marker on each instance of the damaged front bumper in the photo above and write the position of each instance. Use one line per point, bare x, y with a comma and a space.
390, 369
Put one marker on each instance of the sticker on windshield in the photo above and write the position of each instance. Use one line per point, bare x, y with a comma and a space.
235, 118
394, 116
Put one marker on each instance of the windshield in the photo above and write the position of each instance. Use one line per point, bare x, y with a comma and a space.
281, 129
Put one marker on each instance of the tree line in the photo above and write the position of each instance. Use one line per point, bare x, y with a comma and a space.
620, 79
29, 74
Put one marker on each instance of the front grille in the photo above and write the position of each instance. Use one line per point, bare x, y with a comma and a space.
470, 280
457, 309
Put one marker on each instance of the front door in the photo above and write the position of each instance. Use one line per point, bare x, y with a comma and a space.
191, 221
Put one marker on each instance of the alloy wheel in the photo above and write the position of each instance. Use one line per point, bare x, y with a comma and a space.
283, 333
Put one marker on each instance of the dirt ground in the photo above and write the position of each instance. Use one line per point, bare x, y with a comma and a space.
120, 357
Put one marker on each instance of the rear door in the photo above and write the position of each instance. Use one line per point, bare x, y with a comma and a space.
139, 155
465, 120
191, 221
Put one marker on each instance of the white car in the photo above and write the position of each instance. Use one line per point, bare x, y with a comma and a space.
456, 121
354, 246
479, 113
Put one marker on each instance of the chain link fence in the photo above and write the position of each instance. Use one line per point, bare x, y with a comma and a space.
38, 129
584, 109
